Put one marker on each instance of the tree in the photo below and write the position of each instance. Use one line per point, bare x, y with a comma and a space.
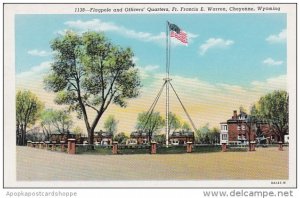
273, 109
186, 127
242, 109
206, 135
28, 108
35, 135
150, 123
62, 121
160, 138
59, 120
174, 122
250, 122
202, 134
89, 72
78, 134
121, 137
110, 124
77, 130
215, 135
46, 123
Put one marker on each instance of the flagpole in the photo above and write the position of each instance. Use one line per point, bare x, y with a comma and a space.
167, 82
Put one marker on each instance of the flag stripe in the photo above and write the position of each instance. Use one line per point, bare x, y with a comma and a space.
182, 36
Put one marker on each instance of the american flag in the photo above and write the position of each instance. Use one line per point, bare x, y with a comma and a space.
177, 33
182, 36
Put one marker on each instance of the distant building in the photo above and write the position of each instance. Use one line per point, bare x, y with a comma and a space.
58, 136
141, 137
236, 131
131, 141
224, 133
103, 138
182, 137
176, 138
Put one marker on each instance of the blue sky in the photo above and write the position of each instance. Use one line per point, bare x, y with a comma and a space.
231, 59
241, 62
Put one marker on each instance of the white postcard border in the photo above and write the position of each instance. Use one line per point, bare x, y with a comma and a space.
9, 99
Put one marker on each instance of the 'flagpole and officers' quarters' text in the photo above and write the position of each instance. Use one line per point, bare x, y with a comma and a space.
177, 9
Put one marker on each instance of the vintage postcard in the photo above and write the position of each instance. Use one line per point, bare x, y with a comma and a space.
150, 95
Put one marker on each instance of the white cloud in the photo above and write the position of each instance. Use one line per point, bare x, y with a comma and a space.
274, 83
270, 61
232, 88
147, 70
35, 71
94, 24
214, 43
151, 67
191, 35
33, 80
277, 38
36, 52
98, 25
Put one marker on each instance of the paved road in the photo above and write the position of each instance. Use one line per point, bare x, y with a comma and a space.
266, 163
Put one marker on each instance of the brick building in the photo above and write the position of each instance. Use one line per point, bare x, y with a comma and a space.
238, 130
182, 137
57, 136
141, 137
103, 138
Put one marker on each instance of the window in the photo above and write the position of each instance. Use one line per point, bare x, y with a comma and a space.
145, 141
224, 136
243, 127
238, 128
224, 127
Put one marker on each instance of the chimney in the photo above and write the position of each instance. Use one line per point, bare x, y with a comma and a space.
234, 115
